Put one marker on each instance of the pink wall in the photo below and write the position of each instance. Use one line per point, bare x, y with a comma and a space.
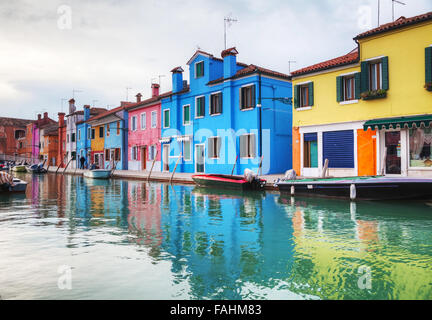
147, 137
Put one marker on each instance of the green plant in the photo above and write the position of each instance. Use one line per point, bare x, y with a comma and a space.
374, 94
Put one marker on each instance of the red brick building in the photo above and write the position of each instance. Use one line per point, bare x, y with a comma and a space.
13, 133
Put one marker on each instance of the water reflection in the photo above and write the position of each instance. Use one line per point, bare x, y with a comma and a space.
235, 245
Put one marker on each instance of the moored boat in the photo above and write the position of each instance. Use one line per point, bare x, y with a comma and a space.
9, 184
362, 188
98, 174
19, 168
227, 181
36, 168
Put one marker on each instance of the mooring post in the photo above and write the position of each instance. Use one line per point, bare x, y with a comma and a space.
66, 166
151, 169
58, 168
178, 160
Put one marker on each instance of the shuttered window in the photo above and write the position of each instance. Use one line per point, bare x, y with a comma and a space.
118, 127
428, 64
93, 133
375, 75
247, 97
338, 148
348, 87
200, 107
117, 156
101, 132
186, 115
187, 150
199, 69
216, 103
247, 146
214, 145
108, 130
143, 121
166, 118
304, 95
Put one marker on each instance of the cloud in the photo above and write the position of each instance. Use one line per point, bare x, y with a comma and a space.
117, 44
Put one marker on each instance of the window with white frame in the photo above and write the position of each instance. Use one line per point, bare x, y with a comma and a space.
214, 146
88, 133
79, 135
186, 115
152, 152
216, 103
247, 146
247, 97
143, 121
187, 150
134, 123
375, 75
154, 119
134, 153
199, 69
166, 118
200, 107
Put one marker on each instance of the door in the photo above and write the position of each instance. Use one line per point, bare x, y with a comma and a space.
366, 152
393, 161
166, 151
144, 158
199, 158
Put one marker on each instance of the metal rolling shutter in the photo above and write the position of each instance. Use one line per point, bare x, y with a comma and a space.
338, 148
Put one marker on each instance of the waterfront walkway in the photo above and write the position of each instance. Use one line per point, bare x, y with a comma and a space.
179, 177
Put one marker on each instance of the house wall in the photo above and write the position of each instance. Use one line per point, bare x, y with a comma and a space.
114, 140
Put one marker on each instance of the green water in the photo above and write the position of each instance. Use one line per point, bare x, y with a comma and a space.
74, 238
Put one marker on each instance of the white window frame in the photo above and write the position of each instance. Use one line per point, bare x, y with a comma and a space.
196, 106
190, 150
240, 96
169, 116
132, 123
195, 69
143, 127
190, 122
214, 138
249, 134
212, 94
151, 119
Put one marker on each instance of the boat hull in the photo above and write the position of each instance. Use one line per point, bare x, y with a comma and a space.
227, 182
367, 189
98, 174
18, 187
19, 169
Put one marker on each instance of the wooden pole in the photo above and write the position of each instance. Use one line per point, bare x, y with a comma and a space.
260, 166
58, 168
151, 169
324, 171
178, 160
235, 163
66, 166
383, 161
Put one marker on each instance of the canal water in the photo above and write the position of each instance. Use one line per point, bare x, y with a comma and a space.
75, 238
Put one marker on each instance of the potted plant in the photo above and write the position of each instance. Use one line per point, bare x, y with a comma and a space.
374, 94
428, 86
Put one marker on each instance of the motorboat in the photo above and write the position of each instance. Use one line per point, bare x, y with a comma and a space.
98, 173
9, 184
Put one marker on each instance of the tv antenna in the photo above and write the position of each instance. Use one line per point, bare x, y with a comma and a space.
289, 65
228, 21
75, 91
393, 7
160, 76
63, 100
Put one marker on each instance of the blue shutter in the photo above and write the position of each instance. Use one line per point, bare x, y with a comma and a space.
338, 148
310, 137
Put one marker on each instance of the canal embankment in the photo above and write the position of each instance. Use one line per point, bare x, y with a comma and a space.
178, 178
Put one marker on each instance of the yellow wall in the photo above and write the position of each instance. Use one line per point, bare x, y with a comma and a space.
406, 96
97, 144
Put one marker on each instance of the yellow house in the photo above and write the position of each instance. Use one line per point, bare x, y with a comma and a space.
368, 112
97, 144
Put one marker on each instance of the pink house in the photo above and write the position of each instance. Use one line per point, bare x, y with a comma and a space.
145, 132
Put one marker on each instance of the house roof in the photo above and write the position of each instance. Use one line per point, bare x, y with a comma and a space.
149, 102
93, 112
399, 23
14, 122
251, 69
347, 59
51, 130
209, 55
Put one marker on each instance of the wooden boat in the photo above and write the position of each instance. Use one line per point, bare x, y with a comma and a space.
36, 168
226, 181
8, 184
19, 168
98, 174
362, 188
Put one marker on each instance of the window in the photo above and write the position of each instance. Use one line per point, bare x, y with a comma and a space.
186, 115
304, 95
200, 107
117, 156
134, 153
247, 97
107, 155
214, 145
89, 133
154, 119
428, 68
216, 103
67, 138
93, 133
108, 130
166, 118
348, 87
152, 152
187, 147
143, 121
420, 144
101, 132
310, 150
134, 123
375, 78
79, 135
199, 69
73, 154
118, 128
247, 146
73, 137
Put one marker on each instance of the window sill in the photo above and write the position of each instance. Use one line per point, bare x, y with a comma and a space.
342, 103
201, 117
248, 158
186, 124
303, 109
247, 109
215, 114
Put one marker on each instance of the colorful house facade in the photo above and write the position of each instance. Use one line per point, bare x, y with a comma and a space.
145, 132
368, 112
62, 129
49, 144
231, 117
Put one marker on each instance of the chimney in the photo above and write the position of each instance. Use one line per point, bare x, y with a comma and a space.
86, 112
229, 62
155, 89
177, 79
138, 97
45, 115
61, 116
72, 108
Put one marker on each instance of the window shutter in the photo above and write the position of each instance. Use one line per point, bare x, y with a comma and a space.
339, 89
252, 145
357, 79
253, 102
429, 65
311, 94
242, 147
385, 73
364, 83
220, 103
218, 147
210, 148
296, 96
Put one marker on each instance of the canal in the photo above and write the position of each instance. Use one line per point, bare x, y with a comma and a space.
73, 238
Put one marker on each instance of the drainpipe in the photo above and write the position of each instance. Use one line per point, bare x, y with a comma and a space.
259, 114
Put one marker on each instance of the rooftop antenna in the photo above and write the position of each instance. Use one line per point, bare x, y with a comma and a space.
127, 93
379, 5
160, 76
75, 91
228, 20
393, 7
63, 100
289, 65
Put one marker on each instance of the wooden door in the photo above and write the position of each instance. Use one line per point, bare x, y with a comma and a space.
144, 158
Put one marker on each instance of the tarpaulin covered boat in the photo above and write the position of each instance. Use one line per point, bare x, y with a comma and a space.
364, 188
230, 182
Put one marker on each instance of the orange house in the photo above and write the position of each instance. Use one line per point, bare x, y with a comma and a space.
49, 145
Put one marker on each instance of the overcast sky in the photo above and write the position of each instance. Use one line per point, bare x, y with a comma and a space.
101, 47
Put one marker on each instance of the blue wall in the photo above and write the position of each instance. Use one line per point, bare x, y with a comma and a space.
120, 140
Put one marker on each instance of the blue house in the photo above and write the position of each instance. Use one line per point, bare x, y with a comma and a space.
232, 116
